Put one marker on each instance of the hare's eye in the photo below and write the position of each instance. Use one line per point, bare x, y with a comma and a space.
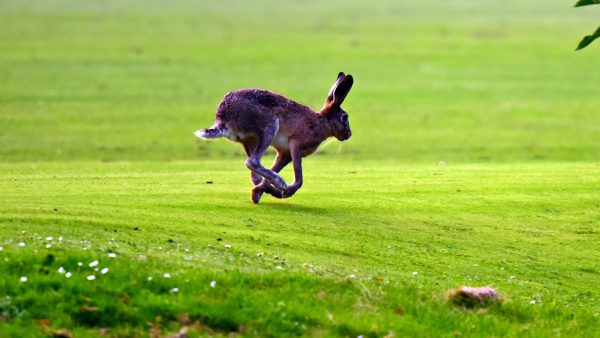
344, 118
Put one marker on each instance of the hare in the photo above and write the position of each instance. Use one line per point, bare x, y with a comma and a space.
258, 119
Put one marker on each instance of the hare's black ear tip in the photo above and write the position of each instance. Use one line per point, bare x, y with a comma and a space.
341, 74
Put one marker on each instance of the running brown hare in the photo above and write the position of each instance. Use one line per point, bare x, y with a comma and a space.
258, 118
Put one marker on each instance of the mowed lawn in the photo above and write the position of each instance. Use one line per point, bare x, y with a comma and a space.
474, 160
363, 249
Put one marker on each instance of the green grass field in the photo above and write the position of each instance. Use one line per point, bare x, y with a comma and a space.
475, 160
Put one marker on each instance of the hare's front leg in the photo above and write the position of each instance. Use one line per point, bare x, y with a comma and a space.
253, 163
297, 161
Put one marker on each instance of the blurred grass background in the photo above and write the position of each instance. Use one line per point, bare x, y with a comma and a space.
460, 81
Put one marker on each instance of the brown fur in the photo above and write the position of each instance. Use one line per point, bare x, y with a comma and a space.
258, 119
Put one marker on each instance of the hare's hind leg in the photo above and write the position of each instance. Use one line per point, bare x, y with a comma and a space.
249, 147
264, 139
280, 162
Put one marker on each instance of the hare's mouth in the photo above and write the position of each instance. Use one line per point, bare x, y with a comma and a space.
345, 136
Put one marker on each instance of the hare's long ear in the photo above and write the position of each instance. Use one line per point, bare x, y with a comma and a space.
335, 84
342, 89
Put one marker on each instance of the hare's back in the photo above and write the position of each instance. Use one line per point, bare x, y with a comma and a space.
251, 109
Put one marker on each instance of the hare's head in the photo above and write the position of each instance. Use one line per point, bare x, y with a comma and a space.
332, 109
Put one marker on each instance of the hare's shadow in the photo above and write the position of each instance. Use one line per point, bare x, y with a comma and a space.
297, 208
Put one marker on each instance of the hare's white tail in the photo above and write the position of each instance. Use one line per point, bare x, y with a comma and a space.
210, 133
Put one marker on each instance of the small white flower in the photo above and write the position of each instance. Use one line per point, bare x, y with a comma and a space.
48, 246
90, 277
23, 279
278, 267
228, 246
97, 269
49, 238
1, 248
149, 278
79, 264
21, 244
175, 290
532, 301
68, 275
85, 249
512, 277
415, 273
352, 276
60, 238
112, 255
166, 275
259, 254
104, 271
213, 284
61, 270
93, 264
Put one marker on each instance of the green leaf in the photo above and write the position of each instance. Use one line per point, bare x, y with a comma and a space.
588, 39
587, 2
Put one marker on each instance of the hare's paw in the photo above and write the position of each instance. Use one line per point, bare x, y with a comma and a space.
291, 190
257, 193
278, 182
271, 190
